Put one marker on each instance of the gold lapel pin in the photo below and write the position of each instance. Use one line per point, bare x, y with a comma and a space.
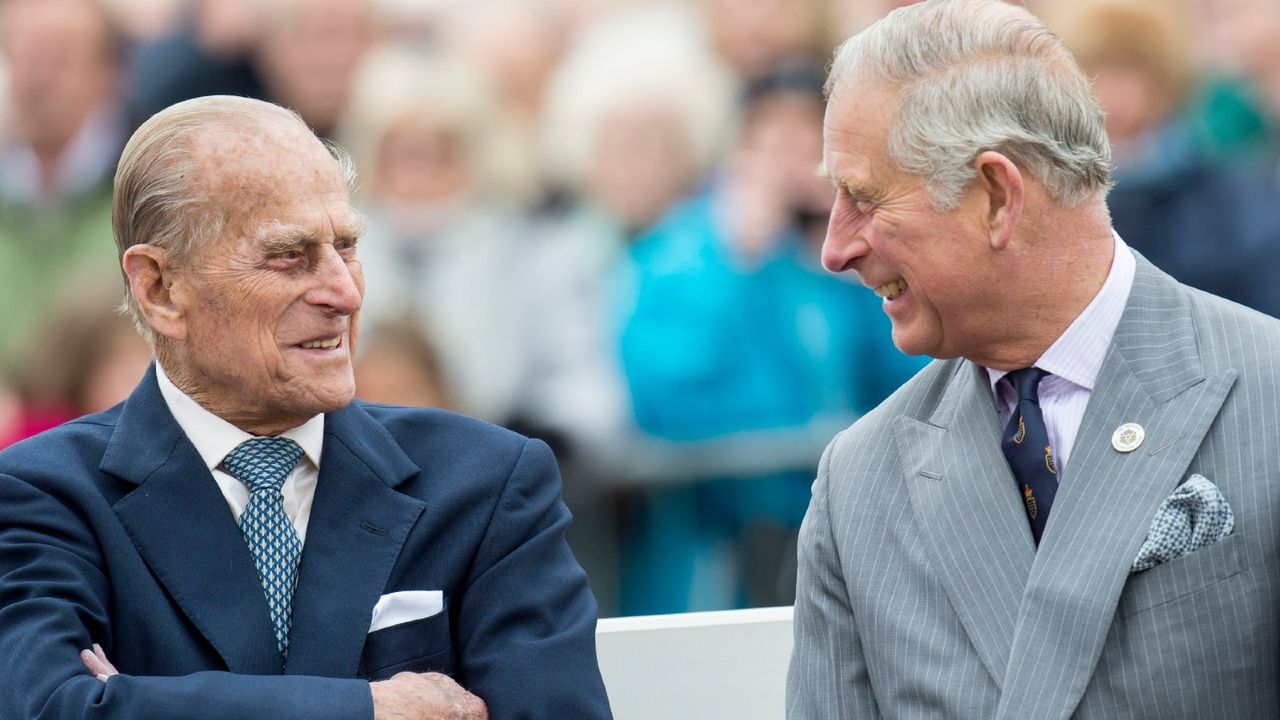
1128, 437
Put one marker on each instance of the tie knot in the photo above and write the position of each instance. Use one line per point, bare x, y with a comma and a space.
1026, 382
262, 463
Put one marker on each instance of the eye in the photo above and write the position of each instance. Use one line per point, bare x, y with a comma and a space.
858, 203
862, 204
286, 258
346, 246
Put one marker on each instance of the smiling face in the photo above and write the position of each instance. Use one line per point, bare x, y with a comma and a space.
936, 270
268, 312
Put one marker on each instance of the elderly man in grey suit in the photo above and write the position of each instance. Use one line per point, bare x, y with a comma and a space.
1073, 512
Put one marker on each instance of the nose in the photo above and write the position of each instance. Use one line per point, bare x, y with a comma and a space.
845, 242
339, 287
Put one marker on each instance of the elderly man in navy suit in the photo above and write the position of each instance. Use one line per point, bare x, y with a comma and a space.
239, 539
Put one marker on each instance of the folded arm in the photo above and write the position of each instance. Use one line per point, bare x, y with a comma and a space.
54, 604
526, 627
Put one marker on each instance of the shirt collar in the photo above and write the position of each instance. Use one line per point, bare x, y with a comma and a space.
1077, 355
214, 437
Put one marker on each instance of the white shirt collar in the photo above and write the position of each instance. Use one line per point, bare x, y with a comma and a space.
1079, 352
214, 437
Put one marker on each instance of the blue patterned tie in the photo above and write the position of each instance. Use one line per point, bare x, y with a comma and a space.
1026, 447
262, 464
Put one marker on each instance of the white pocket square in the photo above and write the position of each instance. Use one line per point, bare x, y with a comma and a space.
405, 606
1195, 515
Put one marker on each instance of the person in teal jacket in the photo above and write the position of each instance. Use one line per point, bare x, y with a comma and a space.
731, 336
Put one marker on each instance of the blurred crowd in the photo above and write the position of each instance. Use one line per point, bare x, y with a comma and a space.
596, 222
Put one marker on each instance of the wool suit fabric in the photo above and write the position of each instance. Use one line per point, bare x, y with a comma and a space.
922, 595
113, 531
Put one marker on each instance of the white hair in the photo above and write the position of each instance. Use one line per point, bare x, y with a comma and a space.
397, 81
978, 75
161, 198
650, 53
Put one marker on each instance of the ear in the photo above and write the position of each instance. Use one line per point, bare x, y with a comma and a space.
151, 281
1001, 182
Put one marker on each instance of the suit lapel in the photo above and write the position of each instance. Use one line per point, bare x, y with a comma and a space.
184, 531
1152, 376
359, 523
965, 500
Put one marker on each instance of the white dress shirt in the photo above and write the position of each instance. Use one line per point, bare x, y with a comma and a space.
1074, 360
214, 438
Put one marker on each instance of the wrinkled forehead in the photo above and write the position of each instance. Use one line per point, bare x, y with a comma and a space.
855, 137
269, 158
271, 174
861, 107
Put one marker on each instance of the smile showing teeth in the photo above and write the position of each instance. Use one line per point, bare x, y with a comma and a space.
329, 344
892, 290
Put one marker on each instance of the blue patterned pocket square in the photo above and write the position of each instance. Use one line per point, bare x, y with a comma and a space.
1195, 515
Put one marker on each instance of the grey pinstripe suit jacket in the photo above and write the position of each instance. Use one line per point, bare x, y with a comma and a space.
921, 594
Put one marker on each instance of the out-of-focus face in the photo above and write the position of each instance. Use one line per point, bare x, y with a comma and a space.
145, 20
1240, 34
1133, 101
310, 53
516, 42
228, 28
850, 18
640, 163
421, 162
754, 35
786, 130
269, 312
59, 67
122, 360
932, 268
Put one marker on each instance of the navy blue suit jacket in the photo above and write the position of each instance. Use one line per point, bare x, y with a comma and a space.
112, 531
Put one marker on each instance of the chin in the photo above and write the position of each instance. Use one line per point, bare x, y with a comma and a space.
332, 396
337, 401
912, 339
909, 345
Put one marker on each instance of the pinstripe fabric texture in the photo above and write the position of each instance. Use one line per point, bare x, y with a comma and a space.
921, 594
1075, 359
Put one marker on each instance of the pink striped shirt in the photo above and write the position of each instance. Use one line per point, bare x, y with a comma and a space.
1074, 360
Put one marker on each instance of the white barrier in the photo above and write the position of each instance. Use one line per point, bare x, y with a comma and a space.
729, 665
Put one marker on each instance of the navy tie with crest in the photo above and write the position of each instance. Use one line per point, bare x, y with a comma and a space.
262, 464
1026, 447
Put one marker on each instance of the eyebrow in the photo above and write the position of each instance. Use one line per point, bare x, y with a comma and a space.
823, 172
855, 191
356, 227
277, 235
